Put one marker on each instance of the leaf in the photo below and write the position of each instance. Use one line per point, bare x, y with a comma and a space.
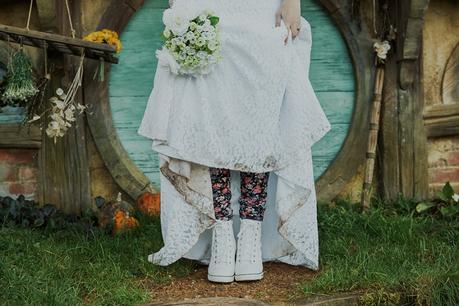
49, 210
38, 222
214, 20
100, 201
25, 223
447, 192
423, 206
449, 211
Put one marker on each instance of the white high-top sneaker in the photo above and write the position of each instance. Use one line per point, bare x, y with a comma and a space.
221, 265
249, 265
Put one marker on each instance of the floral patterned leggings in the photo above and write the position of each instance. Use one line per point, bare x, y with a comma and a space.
252, 202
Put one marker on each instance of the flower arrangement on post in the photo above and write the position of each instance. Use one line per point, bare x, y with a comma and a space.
192, 41
381, 48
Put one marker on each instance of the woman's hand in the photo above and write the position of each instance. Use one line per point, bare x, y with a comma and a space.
290, 12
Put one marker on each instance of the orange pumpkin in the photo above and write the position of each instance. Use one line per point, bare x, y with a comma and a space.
149, 203
123, 221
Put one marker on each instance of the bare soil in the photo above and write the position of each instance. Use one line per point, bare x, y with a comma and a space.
280, 285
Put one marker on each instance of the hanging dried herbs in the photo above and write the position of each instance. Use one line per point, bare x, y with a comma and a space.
20, 85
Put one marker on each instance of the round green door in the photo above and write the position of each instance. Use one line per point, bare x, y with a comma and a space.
131, 82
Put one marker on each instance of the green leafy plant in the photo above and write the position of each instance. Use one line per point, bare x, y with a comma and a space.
27, 213
445, 205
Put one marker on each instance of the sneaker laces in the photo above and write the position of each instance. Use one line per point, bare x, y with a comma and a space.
220, 248
249, 240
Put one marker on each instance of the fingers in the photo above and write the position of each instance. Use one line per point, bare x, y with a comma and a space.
278, 18
295, 28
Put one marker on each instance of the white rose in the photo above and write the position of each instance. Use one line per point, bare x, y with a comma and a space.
455, 197
176, 21
166, 59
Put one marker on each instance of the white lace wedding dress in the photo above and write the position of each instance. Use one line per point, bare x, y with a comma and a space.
257, 112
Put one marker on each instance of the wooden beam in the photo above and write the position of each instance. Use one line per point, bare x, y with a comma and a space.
66, 45
16, 136
442, 120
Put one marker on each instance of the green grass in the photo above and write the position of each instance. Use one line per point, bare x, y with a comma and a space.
74, 268
388, 250
384, 252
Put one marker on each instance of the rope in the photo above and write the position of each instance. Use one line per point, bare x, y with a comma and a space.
30, 14
375, 29
70, 18
45, 50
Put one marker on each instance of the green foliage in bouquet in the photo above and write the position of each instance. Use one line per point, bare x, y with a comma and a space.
445, 205
19, 82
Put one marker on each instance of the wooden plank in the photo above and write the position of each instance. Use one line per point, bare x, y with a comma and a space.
403, 147
440, 111
64, 166
64, 44
442, 125
18, 136
388, 154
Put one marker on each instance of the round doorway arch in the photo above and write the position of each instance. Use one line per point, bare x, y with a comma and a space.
130, 159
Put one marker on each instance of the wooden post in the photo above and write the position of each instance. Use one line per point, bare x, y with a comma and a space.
64, 166
372, 138
403, 162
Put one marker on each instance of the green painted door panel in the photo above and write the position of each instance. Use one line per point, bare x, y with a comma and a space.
131, 81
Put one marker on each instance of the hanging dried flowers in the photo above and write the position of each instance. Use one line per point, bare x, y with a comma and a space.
20, 85
63, 107
62, 114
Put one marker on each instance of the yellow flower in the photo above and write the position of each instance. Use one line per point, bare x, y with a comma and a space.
105, 36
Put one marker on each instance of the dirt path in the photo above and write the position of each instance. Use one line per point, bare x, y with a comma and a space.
280, 284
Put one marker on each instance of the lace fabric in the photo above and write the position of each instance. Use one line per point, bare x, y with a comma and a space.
257, 112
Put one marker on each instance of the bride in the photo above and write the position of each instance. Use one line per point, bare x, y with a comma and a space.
239, 140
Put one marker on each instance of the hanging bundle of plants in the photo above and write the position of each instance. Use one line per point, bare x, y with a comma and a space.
20, 85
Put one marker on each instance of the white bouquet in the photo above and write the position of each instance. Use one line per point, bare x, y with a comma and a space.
192, 41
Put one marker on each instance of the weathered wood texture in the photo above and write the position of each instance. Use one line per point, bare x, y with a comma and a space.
450, 82
332, 76
121, 167
405, 171
352, 153
64, 167
442, 120
13, 135
58, 43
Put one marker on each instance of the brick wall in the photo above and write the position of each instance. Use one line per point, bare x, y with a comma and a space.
443, 163
18, 172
